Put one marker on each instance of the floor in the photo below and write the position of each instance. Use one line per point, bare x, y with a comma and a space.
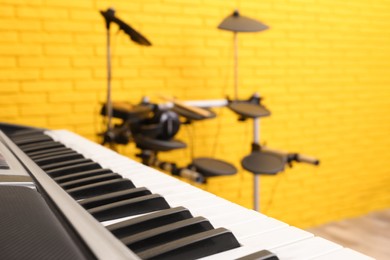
369, 234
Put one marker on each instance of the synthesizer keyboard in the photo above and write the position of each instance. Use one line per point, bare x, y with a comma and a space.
120, 209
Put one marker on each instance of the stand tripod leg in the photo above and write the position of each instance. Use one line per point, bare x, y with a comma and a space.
256, 177
109, 102
235, 66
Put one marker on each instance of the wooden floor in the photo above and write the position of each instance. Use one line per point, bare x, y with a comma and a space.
368, 234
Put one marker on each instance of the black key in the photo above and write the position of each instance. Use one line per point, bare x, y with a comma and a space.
27, 132
29, 148
149, 221
57, 165
81, 175
58, 158
260, 255
165, 234
100, 188
26, 146
31, 139
129, 207
73, 169
114, 197
46, 155
48, 151
90, 180
192, 247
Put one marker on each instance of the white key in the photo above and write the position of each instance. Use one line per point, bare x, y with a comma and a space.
277, 237
233, 254
233, 218
113, 221
268, 240
255, 227
168, 188
306, 249
344, 254
204, 203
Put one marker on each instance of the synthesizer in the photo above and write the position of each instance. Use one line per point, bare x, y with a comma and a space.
65, 197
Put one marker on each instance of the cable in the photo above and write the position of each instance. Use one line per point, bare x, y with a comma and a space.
273, 192
193, 142
191, 137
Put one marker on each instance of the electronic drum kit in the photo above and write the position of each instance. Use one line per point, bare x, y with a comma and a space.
152, 127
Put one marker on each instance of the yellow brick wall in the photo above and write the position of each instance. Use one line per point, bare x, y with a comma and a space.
323, 68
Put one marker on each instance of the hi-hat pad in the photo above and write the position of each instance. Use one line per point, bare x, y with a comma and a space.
239, 23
